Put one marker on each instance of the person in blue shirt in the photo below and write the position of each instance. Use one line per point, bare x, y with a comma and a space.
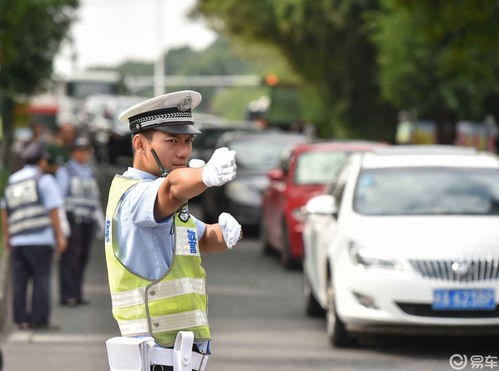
31, 229
141, 231
79, 188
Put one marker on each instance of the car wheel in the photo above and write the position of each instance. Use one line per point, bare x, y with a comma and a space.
266, 247
287, 261
337, 332
312, 306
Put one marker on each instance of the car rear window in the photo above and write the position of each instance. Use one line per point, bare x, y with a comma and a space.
318, 167
427, 191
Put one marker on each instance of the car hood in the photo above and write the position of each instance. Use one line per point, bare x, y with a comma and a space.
428, 236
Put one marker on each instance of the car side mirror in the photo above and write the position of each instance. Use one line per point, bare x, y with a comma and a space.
321, 205
196, 162
275, 174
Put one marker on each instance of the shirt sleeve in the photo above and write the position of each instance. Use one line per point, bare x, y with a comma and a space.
139, 203
200, 226
49, 192
62, 176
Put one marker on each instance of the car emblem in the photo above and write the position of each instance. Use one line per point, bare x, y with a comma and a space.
461, 268
186, 104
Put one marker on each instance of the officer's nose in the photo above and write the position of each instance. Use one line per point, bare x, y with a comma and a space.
183, 152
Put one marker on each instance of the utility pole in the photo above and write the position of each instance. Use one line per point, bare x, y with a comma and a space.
159, 66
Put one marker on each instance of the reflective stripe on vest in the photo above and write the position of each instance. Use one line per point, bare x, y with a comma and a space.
25, 211
82, 198
163, 290
29, 225
169, 322
177, 301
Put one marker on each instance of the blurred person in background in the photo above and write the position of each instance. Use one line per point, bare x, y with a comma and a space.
79, 188
31, 228
152, 243
405, 129
60, 147
39, 133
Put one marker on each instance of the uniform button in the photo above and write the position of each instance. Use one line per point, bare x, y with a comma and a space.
152, 292
156, 324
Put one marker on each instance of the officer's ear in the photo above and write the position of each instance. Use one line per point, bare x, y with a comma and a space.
138, 143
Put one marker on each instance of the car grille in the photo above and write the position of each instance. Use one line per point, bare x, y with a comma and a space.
460, 270
426, 310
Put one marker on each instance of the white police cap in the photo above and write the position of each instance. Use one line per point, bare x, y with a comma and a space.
80, 142
171, 113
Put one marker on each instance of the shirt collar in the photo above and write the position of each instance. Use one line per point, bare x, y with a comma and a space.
34, 168
138, 174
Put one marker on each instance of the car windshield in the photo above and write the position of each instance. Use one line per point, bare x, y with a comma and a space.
261, 153
318, 167
428, 191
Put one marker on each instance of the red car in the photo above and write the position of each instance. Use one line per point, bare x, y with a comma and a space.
302, 174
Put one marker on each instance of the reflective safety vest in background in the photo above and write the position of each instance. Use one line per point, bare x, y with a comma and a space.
26, 213
83, 196
159, 308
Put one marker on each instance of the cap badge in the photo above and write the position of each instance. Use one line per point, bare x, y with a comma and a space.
185, 105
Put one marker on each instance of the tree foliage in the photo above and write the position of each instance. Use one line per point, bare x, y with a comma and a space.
30, 35
438, 56
326, 44
31, 32
225, 56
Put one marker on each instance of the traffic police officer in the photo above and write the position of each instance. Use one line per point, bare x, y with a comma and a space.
152, 243
31, 229
82, 202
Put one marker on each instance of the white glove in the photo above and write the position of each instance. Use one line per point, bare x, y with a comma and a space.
231, 229
221, 168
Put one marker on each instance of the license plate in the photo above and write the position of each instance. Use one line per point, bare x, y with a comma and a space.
464, 299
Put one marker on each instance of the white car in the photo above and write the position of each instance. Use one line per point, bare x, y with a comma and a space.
406, 240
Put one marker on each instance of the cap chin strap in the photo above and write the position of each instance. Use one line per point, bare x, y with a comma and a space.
163, 172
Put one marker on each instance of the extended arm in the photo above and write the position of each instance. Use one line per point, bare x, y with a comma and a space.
183, 184
61, 242
221, 236
212, 240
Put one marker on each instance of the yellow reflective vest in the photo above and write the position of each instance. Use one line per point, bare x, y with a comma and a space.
163, 307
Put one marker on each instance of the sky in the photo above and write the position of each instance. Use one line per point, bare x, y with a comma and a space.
108, 32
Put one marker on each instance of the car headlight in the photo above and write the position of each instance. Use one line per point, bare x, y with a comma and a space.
366, 257
243, 193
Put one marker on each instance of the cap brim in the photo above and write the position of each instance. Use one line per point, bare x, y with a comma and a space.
178, 128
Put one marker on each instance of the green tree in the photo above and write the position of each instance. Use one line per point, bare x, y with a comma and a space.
326, 44
31, 32
439, 57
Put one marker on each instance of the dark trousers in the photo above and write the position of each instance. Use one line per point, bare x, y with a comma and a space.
31, 263
74, 260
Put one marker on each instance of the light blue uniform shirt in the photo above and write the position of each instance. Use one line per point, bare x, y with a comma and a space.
146, 245
51, 198
63, 176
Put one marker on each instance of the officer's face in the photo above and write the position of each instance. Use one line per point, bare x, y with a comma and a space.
173, 150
